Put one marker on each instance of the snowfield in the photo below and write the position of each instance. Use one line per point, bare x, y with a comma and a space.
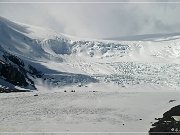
120, 85
83, 111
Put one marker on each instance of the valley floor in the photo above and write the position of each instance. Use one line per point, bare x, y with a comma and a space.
88, 110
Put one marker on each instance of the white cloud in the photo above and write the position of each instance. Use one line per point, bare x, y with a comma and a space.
98, 20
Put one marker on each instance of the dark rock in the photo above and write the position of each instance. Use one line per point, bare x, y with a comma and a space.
34, 71
14, 59
13, 71
167, 124
3, 90
13, 75
171, 101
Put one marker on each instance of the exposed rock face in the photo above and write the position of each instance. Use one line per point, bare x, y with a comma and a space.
13, 70
33, 71
167, 125
3, 90
14, 59
14, 75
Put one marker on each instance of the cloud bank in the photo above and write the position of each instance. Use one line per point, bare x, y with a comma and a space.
97, 20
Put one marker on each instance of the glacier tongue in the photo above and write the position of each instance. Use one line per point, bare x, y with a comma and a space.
66, 60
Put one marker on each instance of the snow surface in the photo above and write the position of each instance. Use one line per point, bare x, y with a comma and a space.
135, 79
83, 111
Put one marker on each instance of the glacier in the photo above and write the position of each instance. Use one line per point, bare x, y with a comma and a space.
80, 85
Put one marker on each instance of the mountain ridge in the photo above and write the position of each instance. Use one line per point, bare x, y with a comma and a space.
66, 61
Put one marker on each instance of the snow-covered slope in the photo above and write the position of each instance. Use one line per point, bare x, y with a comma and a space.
66, 60
36, 48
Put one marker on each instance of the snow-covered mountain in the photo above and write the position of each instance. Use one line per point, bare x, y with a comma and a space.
47, 58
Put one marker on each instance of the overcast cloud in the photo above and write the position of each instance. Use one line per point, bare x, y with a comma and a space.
97, 20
